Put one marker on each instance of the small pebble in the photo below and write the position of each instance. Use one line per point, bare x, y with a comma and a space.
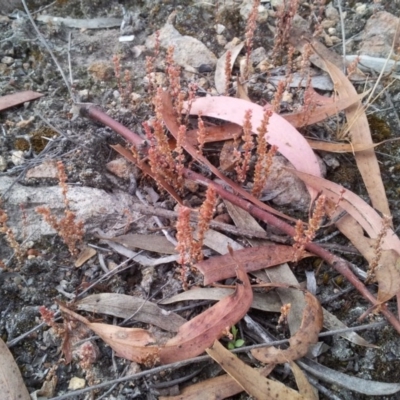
7, 60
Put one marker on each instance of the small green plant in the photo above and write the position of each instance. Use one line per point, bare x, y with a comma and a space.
235, 343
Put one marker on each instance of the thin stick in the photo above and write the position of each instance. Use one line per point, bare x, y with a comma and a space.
162, 212
343, 35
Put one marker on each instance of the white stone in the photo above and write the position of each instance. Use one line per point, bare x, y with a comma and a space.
331, 13
76, 383
7, 60
17, 157
219, 28
361, 8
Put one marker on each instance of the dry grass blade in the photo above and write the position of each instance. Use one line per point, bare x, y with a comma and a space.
307, 334
12, 386
249, 378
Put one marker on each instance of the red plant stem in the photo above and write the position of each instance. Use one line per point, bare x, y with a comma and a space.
96, 114
336, 262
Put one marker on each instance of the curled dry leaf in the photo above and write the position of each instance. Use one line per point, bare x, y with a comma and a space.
253, 258
12, 386
192, 338
200, 332
307, 334
250, 378
131, 343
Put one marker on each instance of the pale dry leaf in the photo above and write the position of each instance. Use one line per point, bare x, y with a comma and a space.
360, 133
331, 323
86, 254
305, 388
336, 147
124, 306
220, 387
154, 243
134, 344
267, 301
220, 78
364, 386
250, 378
12, 386
387, 274
11, 100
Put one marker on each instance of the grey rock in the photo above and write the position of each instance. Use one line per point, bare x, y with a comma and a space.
95, 207
188, 51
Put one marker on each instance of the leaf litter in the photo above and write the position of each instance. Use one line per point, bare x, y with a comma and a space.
196, 335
